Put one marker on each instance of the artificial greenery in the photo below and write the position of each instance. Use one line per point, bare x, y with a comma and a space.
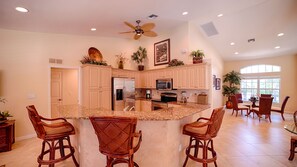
139, 55
88, 60
197, 53
4, 114
233, 79
175, 62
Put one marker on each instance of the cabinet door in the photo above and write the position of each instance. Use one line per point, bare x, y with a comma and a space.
180, 78
137, 105
105, 99
94, 98
105, 77
146, 105
203, 80
94, 78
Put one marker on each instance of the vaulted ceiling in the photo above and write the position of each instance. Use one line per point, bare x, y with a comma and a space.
261, 20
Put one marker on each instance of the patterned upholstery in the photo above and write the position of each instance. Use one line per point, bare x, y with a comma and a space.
117, 138
201, 134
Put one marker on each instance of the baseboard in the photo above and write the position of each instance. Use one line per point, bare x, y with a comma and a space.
25, 137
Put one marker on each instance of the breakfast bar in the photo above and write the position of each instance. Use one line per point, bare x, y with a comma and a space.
162, 141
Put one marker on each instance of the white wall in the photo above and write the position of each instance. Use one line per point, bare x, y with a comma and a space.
24, 67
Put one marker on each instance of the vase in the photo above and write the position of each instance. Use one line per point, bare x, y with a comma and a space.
140, 67
197, 60
121, 65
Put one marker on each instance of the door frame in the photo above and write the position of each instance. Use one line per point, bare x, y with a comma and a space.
49, 82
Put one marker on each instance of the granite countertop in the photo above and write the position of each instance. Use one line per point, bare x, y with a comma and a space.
170, 113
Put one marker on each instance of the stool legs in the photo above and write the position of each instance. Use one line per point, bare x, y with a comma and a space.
292, 149
53, 146
206, 145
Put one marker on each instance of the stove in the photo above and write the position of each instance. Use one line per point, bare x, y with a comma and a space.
162, 103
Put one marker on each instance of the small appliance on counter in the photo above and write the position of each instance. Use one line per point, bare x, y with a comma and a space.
183, 97
202, 98
148, 94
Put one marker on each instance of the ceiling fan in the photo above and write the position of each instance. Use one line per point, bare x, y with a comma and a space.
145, 29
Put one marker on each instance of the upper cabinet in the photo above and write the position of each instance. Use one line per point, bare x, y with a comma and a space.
194, 76
191, 77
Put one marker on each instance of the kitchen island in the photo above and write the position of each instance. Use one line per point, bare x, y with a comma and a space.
163, 144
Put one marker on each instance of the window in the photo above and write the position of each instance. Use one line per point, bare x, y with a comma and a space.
260, 79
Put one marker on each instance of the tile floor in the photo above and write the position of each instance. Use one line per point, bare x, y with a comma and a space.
241, 142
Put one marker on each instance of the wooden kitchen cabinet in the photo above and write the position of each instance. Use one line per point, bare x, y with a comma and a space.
96, 86
145, 105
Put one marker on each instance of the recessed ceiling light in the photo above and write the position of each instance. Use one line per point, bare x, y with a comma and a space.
277, 47
21, 9
185, 13
236, 53
93, 29
232, 43
220, 15
280, 34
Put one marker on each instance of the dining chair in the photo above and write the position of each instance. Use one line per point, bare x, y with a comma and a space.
117, 138
293, 140
53, 132
202, 133
264, 108
237, 107
281, 109
239, 97
265, 95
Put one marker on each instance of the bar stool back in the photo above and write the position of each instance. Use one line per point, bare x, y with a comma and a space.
117, 138
201, 134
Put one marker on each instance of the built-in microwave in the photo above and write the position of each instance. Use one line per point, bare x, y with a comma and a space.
164, 84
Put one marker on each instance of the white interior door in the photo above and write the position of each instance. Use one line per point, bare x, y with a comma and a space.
64, 88
56, 92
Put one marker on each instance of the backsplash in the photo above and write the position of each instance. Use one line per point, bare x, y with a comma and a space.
191, 95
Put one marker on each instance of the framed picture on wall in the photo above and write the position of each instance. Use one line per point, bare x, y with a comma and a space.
218, 83
162, 52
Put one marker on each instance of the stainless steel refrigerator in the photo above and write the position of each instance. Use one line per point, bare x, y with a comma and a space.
123, 94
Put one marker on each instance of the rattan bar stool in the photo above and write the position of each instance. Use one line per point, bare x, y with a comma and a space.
117, 138
53, 136
201, 134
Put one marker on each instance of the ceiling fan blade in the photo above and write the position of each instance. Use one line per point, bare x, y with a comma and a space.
126, 32
147, 26
130, 25
150, 34
137, 36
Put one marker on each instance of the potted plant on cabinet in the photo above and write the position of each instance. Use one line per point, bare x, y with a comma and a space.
139, 57
233, 81
4, 114
197, 56
121, 60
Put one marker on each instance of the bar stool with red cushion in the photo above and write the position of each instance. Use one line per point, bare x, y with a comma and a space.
117, 138
53, 135
201, 133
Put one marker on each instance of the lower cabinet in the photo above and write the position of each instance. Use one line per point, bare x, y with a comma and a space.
143, 105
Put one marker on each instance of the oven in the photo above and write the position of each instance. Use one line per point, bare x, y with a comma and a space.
163, 102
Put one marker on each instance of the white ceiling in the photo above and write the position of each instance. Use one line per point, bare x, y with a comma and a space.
242, 20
